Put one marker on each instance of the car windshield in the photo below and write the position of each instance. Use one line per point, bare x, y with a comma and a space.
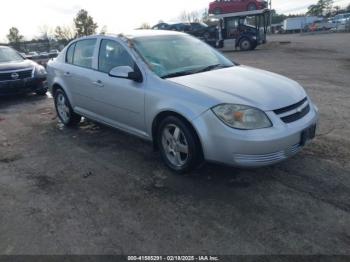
177, 55
9, 55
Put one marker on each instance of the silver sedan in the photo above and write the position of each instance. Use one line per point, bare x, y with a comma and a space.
193, 103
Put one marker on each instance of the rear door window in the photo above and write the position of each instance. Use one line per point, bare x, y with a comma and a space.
83, 53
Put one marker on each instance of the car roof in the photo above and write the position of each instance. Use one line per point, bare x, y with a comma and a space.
130, 35
148, 33
136, 34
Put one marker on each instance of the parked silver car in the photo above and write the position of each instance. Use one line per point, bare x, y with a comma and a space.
184, 96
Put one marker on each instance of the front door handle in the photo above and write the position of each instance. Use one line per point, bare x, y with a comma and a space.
67, 74
98, 83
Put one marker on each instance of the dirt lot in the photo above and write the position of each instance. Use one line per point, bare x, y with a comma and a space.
94, 190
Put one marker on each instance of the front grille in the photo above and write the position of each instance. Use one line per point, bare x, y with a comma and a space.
293, 112
23, 74
299, 115
290, 108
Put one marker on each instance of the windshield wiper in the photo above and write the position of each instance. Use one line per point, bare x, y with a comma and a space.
211, 67
195, 71
181, 73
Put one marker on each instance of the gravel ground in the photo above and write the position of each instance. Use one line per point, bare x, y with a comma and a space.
94, 190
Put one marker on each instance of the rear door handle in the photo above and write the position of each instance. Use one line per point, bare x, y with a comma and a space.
67, 74
98, 83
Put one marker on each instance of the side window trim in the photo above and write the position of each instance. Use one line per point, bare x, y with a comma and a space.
92, 58
73, 45
99, 51
98, 55
93, 55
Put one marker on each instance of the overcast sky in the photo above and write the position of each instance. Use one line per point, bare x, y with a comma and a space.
117, 15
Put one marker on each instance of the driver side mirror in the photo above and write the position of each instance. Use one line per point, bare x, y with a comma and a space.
126, 72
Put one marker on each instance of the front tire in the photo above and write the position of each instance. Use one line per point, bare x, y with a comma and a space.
64, 110
179, 145
245, 44
41, 92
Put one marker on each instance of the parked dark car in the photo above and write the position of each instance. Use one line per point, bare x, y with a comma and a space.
203, 31
53, 53
32, 55
180, 27
19, 75
161, 26
197, 29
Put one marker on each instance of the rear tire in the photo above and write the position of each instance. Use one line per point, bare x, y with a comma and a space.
179, 145
41, 92
245, 44
64, 110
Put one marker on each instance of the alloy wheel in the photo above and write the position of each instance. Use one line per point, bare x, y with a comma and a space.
175, 145
62, 108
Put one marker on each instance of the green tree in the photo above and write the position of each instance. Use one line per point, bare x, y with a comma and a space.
336, 9
323, 7
145, 26
84, 24
190, 17
205, 16
14, 36
64, 34
314, 10
45, 32
348, 8
103, 30
277, 18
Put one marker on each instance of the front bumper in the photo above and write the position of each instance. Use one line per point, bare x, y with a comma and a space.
253, 148
22, 86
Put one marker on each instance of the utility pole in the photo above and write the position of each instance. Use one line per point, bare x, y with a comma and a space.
271, 14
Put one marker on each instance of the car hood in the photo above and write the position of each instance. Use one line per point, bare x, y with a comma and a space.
245, 85
16, 65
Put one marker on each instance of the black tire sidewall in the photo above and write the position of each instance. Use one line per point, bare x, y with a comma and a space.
41, 92
73, 118
193, 147
241, 43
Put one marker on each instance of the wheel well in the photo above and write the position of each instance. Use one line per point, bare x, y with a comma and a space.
163, 115
54, 89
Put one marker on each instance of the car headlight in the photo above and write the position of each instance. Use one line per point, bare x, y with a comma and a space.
40, 70
242, 117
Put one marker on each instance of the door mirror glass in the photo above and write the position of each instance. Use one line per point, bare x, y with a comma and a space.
121, 71
126, 72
